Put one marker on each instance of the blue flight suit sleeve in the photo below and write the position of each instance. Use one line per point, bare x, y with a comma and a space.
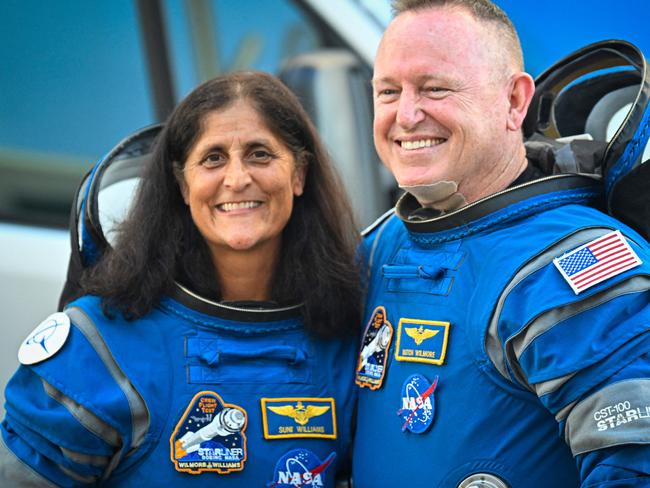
64, 426
587, 358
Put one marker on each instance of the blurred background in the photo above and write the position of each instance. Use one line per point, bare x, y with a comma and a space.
77, 76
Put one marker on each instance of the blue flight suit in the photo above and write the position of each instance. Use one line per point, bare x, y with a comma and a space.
497, 372
193, 394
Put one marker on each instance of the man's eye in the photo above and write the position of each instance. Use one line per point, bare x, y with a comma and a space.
436, 90
387, 92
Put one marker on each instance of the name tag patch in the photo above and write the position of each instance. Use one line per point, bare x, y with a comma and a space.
300, 467
371, 367
418, 406
422, 341
209, 436
285, 418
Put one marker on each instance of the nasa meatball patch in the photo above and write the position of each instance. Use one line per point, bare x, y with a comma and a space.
371, 367
418, 407
300, 467
45, 340
209, 436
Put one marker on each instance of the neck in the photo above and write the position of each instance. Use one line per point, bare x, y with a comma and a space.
246, 275
500, 177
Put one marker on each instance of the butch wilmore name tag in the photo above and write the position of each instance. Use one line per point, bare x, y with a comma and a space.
422, 341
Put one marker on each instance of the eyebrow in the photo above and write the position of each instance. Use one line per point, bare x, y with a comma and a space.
419, 79
216, 146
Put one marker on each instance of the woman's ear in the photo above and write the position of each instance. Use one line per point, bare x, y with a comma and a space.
182, 186
299, 176
184, 190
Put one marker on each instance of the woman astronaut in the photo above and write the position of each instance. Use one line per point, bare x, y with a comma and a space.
214, 342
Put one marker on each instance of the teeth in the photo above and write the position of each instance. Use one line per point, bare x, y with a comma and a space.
229, 207
409, 145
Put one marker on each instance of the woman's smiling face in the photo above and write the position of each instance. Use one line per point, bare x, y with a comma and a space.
239, 181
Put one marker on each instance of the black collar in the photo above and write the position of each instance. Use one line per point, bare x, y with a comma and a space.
409, 210
241, 311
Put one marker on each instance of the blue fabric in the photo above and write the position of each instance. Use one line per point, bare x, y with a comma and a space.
485, 421
160, 356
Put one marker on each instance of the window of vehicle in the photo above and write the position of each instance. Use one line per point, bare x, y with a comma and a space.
77, 77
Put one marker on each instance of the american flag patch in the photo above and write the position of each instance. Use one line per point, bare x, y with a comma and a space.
596, 261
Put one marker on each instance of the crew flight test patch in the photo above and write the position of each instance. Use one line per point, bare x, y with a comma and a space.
209, 436
371, 367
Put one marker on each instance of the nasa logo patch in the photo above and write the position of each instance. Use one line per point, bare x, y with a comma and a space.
209, 436
422, 341
45, 340
300, 467
418, 406
371, 367
284, 418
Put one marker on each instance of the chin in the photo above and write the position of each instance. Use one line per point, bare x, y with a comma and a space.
243, 245
417, 180
423, 175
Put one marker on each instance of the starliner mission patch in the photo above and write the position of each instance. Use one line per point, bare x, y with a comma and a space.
209, 436
371, 367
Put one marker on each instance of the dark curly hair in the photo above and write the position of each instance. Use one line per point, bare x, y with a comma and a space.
159, 244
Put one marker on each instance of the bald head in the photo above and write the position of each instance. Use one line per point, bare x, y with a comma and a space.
496, 21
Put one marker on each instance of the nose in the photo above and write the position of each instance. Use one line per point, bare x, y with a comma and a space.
409, 111
236, 175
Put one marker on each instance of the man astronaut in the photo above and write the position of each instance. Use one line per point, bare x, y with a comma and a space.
531, 306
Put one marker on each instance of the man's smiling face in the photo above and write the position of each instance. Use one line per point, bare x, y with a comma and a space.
441, 99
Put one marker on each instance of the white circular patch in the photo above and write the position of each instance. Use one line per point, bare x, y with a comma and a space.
45, 340
483, 480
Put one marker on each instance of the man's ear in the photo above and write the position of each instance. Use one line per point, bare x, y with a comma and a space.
520, 92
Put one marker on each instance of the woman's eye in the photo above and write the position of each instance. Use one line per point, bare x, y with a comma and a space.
261, 155
213, 159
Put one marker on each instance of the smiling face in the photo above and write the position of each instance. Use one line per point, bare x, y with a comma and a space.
240, 181
441, 99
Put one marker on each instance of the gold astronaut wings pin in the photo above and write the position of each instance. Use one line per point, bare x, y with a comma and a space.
419, 335
300, 413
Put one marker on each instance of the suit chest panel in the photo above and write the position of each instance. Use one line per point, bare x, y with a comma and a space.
235, 405
435, 362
